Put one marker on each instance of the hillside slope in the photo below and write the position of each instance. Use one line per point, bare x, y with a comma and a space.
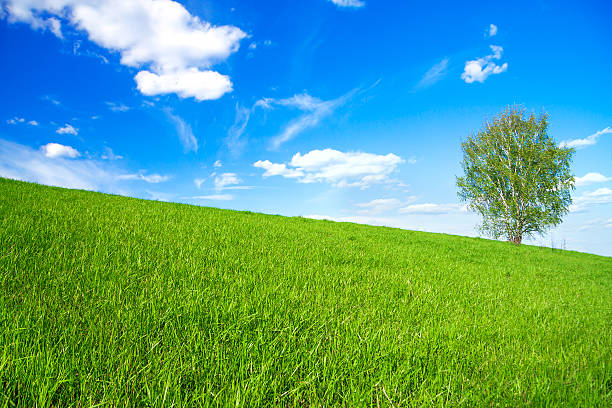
119, 301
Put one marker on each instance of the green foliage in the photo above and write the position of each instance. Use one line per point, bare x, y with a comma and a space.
516, 177
112, 301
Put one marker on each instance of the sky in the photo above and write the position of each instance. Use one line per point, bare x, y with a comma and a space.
349, 110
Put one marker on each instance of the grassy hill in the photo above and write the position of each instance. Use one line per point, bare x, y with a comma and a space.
118, 301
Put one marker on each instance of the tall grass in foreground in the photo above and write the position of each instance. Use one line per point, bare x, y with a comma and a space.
113, 301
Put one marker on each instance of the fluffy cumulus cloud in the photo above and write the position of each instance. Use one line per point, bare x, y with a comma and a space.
350, 169
67, 129
587, 141
478, 70
591, 178
54, 150
349, 3
174, 49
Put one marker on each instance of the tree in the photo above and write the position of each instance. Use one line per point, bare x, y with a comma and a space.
516, 177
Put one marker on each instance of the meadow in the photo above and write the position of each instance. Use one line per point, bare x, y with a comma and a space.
114, 301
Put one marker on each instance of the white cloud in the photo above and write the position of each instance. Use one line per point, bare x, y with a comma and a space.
435, 73
381, 205
600, 196
587, 141
175, 48
199, 182
479, 70
201, 85
234, 140
15, 120
430, 208
150, 178
314, 110
24, 163
53, 150
492, 30
117, 107
110, 155
217, 164
591, 178
277, 169
226, 179
351, 169
67, 129
349, 3
216, 197
184, 132
32, 123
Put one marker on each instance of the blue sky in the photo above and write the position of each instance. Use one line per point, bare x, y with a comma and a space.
348, 110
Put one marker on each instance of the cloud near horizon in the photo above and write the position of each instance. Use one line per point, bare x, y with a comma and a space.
587, 141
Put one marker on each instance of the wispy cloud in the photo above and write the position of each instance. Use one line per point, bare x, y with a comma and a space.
587, 141
226, 179
110, 155
480, 69
15, 120
314, 110
184, 132
492, 30
431, 208
349, 3
117, 107
214, 197
350, 169
434, 74
234, 140
24, 163
382, 205
600, 196
149, 178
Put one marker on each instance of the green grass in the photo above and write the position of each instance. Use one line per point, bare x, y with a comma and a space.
114, 301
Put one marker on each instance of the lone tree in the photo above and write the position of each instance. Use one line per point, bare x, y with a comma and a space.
516, 176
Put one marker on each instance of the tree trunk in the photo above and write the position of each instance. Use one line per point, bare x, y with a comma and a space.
516, 240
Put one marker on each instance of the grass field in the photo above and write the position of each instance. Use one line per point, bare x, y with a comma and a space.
114, 301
